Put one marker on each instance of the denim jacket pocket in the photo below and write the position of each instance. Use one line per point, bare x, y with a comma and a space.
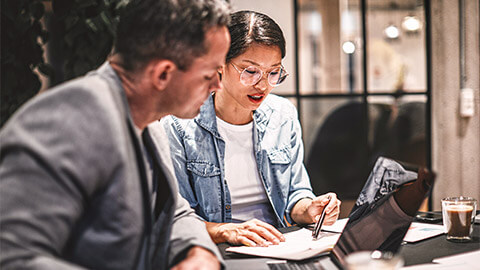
207, 188
279, 155
203, 168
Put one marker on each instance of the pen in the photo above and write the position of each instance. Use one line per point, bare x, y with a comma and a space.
318, 225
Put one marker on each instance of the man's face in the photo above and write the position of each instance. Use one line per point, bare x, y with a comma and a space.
189, 89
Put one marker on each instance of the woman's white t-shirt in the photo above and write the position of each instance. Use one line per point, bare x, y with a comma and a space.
247, 192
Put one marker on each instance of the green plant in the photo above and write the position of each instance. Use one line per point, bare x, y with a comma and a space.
22, 37
86, 30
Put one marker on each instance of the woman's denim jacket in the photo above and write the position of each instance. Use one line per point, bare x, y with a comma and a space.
198, 153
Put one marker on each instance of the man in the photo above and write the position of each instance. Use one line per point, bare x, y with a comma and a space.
83, 184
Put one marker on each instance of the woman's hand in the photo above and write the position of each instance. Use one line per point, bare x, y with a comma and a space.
250, 233
308, 211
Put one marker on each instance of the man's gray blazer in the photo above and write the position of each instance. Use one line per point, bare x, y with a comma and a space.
71, 191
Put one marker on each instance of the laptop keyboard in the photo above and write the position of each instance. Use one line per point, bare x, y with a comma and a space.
284, 265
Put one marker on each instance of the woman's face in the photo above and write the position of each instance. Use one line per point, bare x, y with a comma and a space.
249, 97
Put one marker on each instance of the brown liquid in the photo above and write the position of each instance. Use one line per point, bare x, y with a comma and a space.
460, 217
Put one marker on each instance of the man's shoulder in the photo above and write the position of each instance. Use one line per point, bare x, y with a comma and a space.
93, 86
79, 106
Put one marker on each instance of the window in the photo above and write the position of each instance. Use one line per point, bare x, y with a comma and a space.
353, 111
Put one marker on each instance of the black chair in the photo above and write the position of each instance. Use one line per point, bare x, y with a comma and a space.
408, 141
344, 151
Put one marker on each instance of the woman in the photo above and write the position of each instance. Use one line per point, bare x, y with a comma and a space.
240, 161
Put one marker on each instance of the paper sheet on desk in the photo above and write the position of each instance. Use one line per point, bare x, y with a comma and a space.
298, 245
434, 266
338, 226
419, 231
468, 260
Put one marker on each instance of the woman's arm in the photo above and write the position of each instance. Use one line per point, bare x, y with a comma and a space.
304, 207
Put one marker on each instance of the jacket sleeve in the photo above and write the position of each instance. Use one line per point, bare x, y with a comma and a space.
37, 211
188, 229
300, 186
45, 179
177, 151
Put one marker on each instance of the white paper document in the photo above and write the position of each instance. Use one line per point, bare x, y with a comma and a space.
419, 231
338, 226
467, 261
468, 258
298, 245
436, 266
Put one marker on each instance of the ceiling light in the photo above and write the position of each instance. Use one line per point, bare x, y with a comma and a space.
348, 47
411, 24
392, 32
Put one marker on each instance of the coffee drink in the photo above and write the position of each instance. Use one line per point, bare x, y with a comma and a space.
458, 213
459, 220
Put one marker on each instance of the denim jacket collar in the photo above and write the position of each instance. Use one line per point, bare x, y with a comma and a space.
207, 117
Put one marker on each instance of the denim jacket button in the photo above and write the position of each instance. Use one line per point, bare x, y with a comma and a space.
227, 207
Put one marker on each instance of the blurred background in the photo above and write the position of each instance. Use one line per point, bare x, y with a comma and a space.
370, 78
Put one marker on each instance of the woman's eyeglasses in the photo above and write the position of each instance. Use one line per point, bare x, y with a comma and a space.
252, 75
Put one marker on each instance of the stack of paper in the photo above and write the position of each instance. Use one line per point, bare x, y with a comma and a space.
298, 245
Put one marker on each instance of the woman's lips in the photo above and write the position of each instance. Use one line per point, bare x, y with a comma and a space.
256, 98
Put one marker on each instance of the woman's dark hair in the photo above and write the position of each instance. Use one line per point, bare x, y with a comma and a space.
167, 29
249, 27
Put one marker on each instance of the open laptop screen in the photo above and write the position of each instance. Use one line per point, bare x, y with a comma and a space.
384, 209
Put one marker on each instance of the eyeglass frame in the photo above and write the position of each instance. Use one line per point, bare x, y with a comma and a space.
262, 73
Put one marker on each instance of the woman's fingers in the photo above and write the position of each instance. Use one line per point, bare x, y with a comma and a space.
246, 241
254, 233
251, 236
332, 210
277, 235
331, 204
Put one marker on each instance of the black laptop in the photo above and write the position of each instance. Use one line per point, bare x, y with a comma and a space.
380, 218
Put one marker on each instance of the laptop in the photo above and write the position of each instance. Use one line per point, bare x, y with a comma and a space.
380, 218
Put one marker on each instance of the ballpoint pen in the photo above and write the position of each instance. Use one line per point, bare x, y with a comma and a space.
318, 225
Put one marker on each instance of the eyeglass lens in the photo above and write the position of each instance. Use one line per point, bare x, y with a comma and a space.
251, 75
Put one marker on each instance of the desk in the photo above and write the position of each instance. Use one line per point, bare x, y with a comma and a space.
436, 247
416, 253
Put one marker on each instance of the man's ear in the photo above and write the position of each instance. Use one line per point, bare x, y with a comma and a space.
161, 73
220, 72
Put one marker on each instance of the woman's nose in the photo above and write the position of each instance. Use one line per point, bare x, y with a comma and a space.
262, 84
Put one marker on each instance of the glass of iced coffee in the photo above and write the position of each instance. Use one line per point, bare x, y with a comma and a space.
458, 215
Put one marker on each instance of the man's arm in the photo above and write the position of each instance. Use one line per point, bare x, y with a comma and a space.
36, 212
190, 237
